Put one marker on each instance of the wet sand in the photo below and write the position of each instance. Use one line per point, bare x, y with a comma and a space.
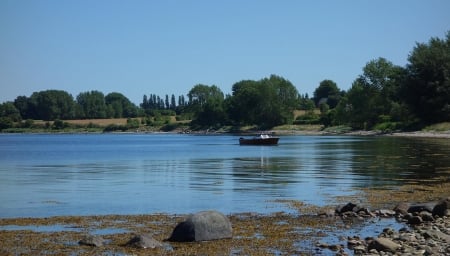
253, 234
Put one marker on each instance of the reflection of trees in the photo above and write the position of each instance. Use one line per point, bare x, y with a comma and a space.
256, 171
329, 160
273, 170
322, 163
393, 159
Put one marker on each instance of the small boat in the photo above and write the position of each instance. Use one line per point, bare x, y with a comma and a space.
262, 139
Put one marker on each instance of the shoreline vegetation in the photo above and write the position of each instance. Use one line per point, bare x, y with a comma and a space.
307, 231
124, 125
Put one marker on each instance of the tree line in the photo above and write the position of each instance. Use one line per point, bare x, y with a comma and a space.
383, 96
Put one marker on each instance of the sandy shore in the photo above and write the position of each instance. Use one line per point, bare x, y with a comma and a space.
253, 234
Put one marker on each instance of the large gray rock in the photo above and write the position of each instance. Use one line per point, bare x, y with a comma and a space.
143, 241
202, 226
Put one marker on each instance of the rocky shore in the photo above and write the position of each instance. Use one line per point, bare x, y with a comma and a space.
427, 231
424, 232
404, 220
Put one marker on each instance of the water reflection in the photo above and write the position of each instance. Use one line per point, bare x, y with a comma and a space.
393, 160
46, 175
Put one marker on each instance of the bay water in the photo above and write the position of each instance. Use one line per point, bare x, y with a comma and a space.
44, 175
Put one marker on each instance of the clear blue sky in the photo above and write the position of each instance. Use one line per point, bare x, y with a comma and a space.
166, 47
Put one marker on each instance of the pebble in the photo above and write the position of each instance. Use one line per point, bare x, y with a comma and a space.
428, 233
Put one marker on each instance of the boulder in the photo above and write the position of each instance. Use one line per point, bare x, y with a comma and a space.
402, 208
91, 240
143, 241
384, 245
421, 207
345, 208
415, 220
442, 208
426, 216
437, 234
202, 226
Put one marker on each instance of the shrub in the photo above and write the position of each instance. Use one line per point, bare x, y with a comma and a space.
6, 122
115, 127
59, 124
169, 127
387, 126
133, 123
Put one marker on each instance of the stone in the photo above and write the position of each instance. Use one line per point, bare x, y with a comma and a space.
322, 245
91, 240
345, 208
335, 247
327, 213
384, 245
359, 249
442, 208
202, 226
421, 207
415, 220
363, 211
402, 208
386, 213
143, 242
436, 234
426, 216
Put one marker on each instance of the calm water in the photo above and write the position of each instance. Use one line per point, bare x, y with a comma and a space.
47, 175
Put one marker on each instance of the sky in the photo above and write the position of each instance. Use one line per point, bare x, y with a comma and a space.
167, 47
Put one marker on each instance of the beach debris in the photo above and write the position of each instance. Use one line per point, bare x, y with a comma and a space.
202, 226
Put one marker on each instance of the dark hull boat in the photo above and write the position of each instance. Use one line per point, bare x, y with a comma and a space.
262, 139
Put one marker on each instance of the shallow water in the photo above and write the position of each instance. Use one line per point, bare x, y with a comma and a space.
91, 174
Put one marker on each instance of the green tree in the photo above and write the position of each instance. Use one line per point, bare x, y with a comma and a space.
427, 87
242, 106
22, 103
173, 104
206, 103
267, 102
51, 105
200, 93
8, 115
305, 103
371, 96
92, 105
120, 105
327, 92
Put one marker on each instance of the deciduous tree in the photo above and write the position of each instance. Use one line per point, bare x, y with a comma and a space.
427, 87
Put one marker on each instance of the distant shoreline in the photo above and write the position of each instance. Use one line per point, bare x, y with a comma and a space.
283, 132
415, 134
